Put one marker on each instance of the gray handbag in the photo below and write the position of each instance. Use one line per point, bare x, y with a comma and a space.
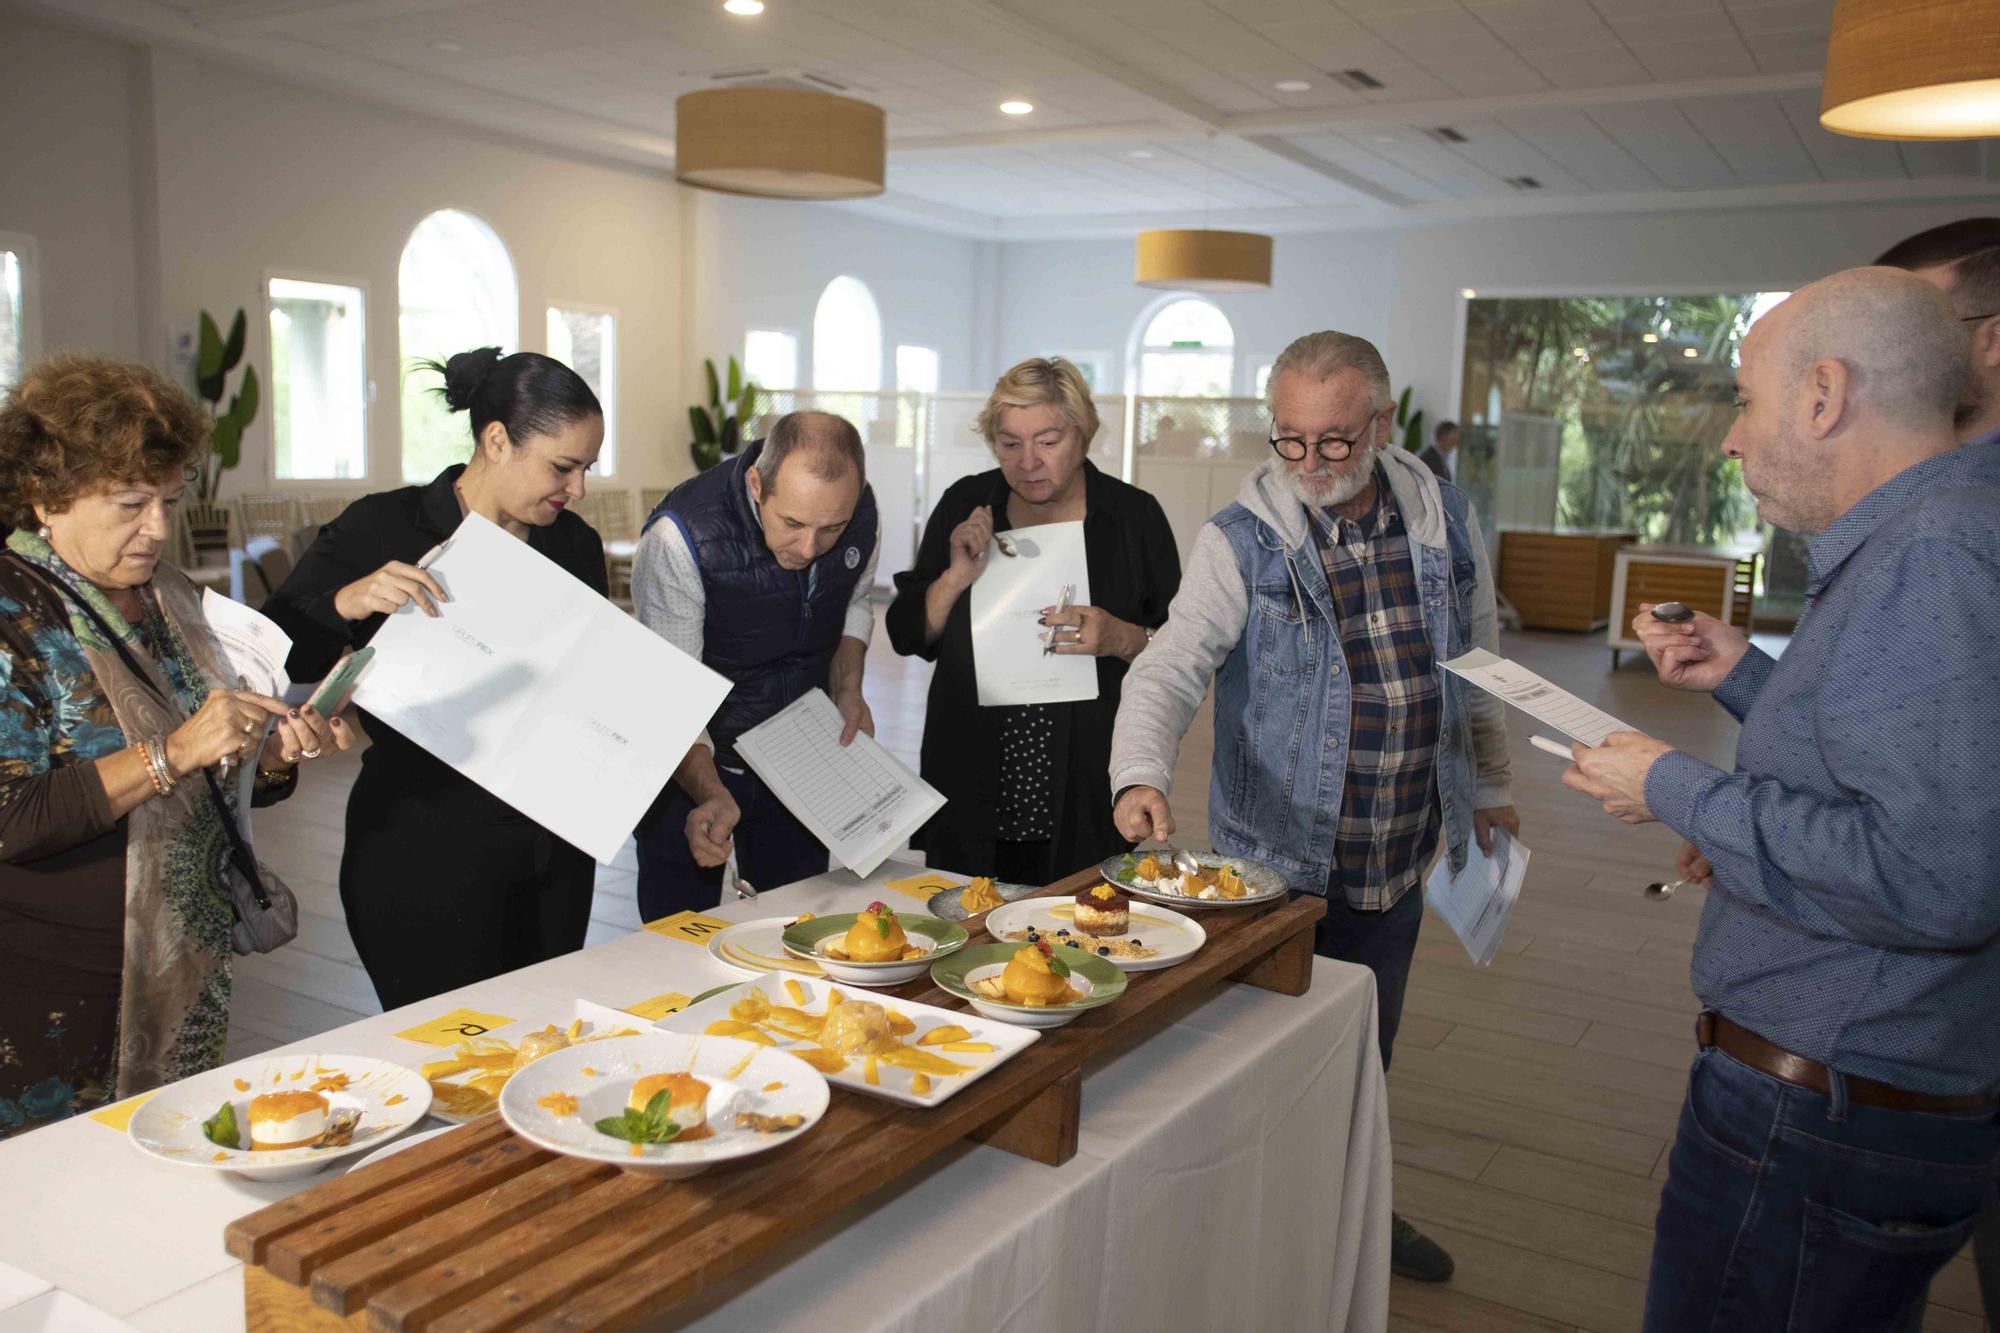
267, 911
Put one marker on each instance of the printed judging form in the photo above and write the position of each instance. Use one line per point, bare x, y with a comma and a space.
860, 800
1478, 900
1536, 696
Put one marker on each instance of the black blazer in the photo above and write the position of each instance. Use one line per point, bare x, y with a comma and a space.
1135, 571
403, 525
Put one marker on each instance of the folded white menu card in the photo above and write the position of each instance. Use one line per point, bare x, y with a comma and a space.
1478, 900
858, 799
253, 647
1009, 659
1536, 696
539, 690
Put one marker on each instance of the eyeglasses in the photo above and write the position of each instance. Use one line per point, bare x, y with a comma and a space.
1293, 448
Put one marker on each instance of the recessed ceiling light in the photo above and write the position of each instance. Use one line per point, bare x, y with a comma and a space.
1140, 152
449, 48
1467, 293
1381, 138
1689, 352
746, 8
1292, 86
1017, 108
1649, 337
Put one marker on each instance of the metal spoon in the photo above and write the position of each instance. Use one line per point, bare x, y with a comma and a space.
1006, 545
339, 1128
1673, 613
1661, 892
1182, 861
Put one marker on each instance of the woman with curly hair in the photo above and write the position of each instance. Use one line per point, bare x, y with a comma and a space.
115, 914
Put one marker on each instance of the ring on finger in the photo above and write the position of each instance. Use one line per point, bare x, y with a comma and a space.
309, 754
249, 727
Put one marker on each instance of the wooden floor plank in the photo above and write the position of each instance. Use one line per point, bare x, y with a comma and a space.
1561, 1180
1551, 1229
1445, 1151
1468, 1112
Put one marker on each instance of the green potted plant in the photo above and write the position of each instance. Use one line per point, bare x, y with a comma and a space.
1410, 423
718, 427
216, 357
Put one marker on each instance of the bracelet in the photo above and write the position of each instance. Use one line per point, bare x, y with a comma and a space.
154, 751
275, 777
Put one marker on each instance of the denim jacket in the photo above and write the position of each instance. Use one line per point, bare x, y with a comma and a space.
1255, 615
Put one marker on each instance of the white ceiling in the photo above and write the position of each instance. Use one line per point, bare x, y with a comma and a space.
1148, 112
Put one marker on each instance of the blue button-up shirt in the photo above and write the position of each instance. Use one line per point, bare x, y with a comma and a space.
1855, 914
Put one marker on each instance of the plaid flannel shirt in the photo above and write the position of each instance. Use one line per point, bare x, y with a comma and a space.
1389, 811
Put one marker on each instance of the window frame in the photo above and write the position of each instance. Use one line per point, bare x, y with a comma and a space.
743, 354
268, 412
617, 361
402, 366
29, 250
882, 367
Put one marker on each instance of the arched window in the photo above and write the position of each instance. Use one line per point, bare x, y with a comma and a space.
847, 338
1187, 351
458, 292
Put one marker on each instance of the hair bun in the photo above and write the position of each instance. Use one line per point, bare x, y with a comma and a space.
464, 373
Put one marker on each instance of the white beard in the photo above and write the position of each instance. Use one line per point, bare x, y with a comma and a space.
1332, 488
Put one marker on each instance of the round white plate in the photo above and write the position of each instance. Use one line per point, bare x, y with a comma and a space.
389, 1150
1263, 884
768, 1081
758, 947
390, 1098
1176, 937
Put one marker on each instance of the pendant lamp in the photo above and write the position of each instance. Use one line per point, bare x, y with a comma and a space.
778, 143
1913, 69
1204, 261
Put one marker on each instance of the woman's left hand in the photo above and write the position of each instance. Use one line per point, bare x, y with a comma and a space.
304, 734
1091, 631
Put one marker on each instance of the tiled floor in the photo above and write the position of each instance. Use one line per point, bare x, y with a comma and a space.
1532, 1101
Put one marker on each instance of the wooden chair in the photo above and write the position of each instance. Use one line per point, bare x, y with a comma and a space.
323, 508
275, 516
613, 513
207, 533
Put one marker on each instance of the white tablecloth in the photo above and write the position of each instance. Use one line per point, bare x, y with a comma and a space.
1233, 1171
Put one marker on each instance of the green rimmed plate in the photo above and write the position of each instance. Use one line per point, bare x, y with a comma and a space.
934, 935
1102, 982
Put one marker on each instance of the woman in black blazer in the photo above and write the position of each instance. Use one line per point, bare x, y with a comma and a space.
1027, 789
443, 883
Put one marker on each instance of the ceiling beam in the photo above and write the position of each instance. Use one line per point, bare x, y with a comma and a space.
1354, 181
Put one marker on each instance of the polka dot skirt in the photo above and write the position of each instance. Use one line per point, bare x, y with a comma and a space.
1027, 770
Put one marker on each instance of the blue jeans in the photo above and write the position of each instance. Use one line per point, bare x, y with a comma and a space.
1384, 943
1785, 1211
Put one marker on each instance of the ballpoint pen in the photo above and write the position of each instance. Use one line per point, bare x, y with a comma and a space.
1062, 605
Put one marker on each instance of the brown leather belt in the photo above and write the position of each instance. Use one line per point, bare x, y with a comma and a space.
1740, 1043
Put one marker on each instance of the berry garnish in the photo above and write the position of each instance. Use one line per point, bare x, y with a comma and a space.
1043, 945
878, 907
1103, 951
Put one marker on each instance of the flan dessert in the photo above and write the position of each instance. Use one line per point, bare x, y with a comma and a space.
856, 1027
687, 1098
1103, 911
538, 1044
877, 937
1031, 978
280, 1120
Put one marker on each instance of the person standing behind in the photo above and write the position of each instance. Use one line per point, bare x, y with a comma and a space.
1321, 604
761, 568
1841, 1133
1441, 454
1962, 260
1024, 790
443, 883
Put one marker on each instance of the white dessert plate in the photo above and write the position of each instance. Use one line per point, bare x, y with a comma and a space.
893, 1082
585, 1018
741, 1076
758, 947
1172, 937
390, 1098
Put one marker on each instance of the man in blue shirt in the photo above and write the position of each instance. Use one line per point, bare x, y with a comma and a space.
1841, 1135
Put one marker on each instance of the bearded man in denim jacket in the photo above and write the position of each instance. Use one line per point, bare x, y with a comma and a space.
1322, 605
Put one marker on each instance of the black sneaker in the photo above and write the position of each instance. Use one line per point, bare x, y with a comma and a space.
1416, 1256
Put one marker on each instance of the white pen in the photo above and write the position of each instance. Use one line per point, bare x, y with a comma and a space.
1553, 747
433, 554
1049, 638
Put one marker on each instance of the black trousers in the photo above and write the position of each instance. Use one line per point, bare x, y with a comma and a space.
773, 848
1383, 942
434, 905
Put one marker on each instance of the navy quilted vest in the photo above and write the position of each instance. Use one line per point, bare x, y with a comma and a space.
763, 630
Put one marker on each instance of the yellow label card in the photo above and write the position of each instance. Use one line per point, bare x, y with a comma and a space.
924, 887
659, 1006
118, 1115
691, 926
457, 1026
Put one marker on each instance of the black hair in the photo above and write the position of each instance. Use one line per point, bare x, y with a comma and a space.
1943, 245
528, 393
1442, 427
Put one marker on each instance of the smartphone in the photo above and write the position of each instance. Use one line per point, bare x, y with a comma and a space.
334, 692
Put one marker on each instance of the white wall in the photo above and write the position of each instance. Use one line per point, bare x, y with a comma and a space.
68, 178
1079, 297
762, 263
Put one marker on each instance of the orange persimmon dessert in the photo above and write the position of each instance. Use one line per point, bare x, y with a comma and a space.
1028, 980
280, 1120
687, 1098
1103, 911
876, 937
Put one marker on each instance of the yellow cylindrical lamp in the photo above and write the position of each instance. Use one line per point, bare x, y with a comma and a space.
1204, 261
779, 143
1913, 69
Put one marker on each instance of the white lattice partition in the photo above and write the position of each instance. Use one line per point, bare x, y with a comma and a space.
956, 450
1192, 454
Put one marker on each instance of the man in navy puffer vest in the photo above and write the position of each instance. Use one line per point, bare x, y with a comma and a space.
761, 568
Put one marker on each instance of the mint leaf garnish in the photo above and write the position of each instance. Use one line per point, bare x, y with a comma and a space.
652, 1125
220, 1129
1057, 966
882, 924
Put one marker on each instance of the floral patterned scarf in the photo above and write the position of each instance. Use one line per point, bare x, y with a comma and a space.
173, 1009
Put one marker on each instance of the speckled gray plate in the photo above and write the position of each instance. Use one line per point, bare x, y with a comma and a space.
946, 903
1262, 884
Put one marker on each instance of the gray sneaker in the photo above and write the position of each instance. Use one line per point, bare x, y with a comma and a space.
1416, 1256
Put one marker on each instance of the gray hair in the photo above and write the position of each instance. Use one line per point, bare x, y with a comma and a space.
1897, 335
1322, 355
827, 445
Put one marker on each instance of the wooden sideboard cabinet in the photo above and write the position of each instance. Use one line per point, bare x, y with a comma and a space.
1560, 580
